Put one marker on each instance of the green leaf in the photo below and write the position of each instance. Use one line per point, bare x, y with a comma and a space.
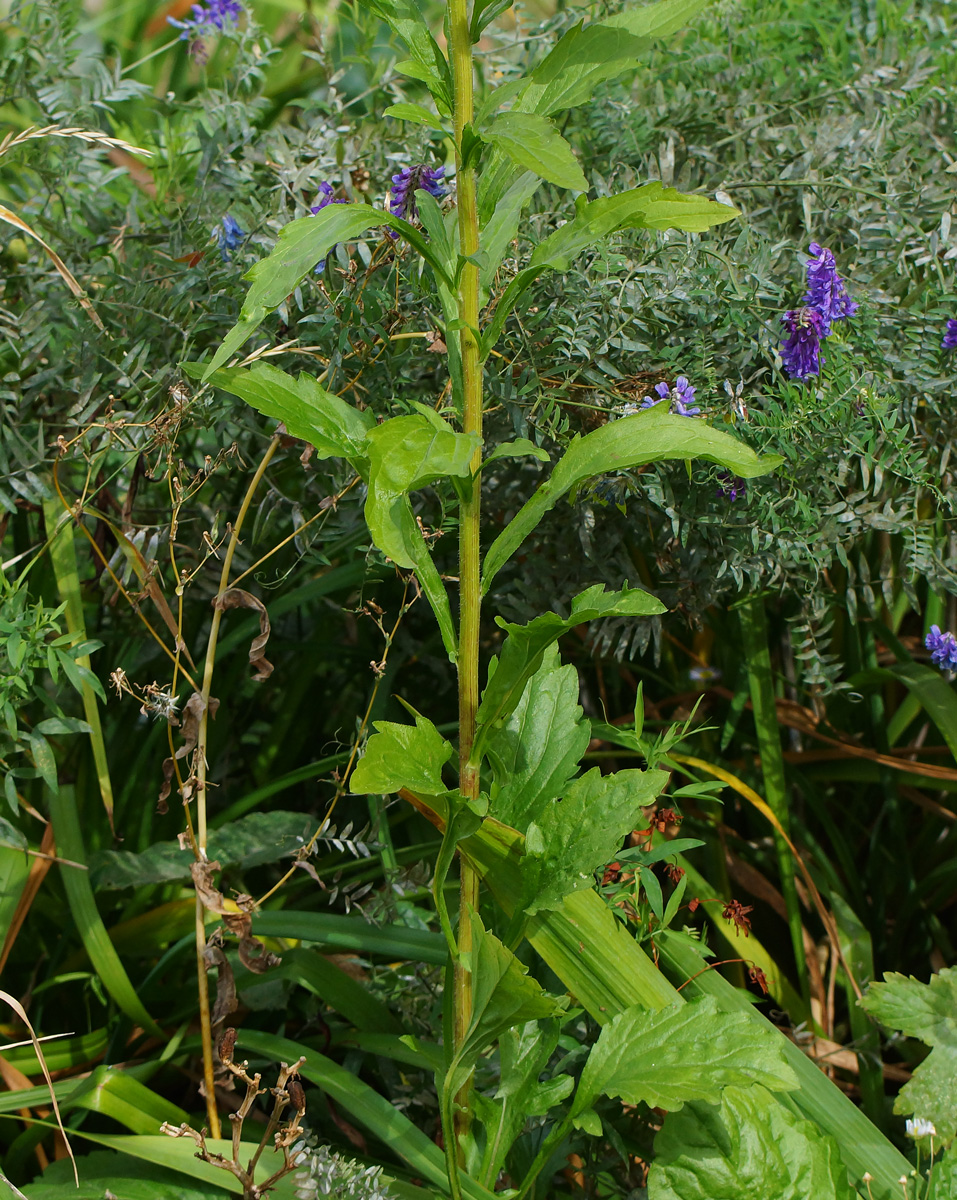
117, 1094
653, 435
416, 113
503, 995
748, 1146
43, 759
667, 1057
402, 756
484, 13
106, 1172
538, 749
405, 19
250, 841
524, 647
353, 934
928, 1012
944, 1185
301, 245
10, 836
339, 990
519, 448
533, 142
570, 838
501, 227
309, 412
524, 1052
60, 725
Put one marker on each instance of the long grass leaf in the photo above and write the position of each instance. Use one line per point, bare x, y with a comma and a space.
396, 942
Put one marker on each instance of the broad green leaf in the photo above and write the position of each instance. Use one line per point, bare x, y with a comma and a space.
524, 1052
117, 1094
748, 1146
538, 749
572, 837
501, 228
519, 448
252, 840
668, 1057
301, 245
928, 1012
927, 686
503, 995
651, 206
11, 838
653, 435
524, 647
107, 1173
60, 725
402, 756
79, 893
416, 113
533, 142
309, 412
944, 1186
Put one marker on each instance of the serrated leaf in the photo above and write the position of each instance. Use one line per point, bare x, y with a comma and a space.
402, 756
582, 831
748, 1146
653, 435
416, 113
524, 648
931, 1093
533, 142
926, 1011
667, 1057
519, 448
538, 749
309, 412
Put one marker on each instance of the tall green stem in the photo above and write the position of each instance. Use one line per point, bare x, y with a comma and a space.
470, 600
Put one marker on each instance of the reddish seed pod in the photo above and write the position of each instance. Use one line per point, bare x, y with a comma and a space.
297, 1095
227, 1044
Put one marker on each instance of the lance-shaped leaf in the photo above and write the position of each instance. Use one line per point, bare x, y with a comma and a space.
533, 142
653, 435
428, 62
525, 646
538, 749
666, 1057
651, 206
309, 412
748, 1146
402, 756
301, 245
406, 453
570, 838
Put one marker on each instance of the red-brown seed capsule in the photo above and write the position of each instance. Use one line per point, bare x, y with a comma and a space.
297, 1095
227, 1044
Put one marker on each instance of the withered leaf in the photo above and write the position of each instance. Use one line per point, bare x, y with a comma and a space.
252, 953
215, 956
211, 897
192, 712
238, 598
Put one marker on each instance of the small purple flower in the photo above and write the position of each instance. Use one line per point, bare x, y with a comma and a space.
230, 236
950, 336
404, 186
680, 397
943, 649
326, 197
801, 352
826, 291
212, 17
731, 486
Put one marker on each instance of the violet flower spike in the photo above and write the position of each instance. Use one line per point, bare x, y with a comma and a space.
950, 336
404, 186
826, 290
326, 197
943, 649
801, 352
230, 236
680, 397
731, 486
213, 17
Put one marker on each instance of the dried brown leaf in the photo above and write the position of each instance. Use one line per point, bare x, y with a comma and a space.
238, 598
215, 956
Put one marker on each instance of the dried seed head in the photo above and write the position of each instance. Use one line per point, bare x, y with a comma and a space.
297, 1095
227, 1044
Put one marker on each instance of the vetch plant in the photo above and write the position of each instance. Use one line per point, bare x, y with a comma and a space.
825, 301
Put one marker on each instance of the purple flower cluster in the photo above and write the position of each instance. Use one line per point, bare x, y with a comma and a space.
950, 336
212, 17
410, 180
825, 301
230, 236
730, 486
943, 649
680, 398
326, 197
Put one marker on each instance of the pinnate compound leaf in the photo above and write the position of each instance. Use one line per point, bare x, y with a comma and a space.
567, 840
667, 1057
749, 1145
402, 756
928, 1012
525, 646
533, 142
301, 245
538, 749
309, 412
653, 435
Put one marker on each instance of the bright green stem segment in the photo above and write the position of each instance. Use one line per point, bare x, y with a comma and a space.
470, 595
754, 628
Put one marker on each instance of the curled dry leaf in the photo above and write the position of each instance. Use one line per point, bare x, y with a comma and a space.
215, 956
252, 953
238, 598
189, 729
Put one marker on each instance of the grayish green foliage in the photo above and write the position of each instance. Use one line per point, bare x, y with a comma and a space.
748, 1146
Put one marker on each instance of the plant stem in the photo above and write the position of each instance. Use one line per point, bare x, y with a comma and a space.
470, 596
206, 1028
